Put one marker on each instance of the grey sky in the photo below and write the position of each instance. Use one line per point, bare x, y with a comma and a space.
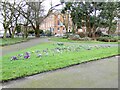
46, 5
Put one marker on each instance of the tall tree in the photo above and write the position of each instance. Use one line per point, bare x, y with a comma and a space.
93, 14
108, 14
80, 12
33, 13
10, 17
7, 13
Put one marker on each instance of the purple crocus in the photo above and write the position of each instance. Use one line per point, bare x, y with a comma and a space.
14, 58
27, 56
27, 53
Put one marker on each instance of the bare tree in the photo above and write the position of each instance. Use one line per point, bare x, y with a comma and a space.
34, 13
10, 17
7, 13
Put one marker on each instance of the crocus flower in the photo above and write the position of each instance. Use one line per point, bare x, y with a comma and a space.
27, 56
20, 55
27, 53
14, 58
44, 51
39, 55
58, 50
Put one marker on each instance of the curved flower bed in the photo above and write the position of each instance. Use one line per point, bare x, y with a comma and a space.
48, 56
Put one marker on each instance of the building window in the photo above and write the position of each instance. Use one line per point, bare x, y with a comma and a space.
58, 29
58, 22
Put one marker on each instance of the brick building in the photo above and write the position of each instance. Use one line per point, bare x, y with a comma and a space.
55, 23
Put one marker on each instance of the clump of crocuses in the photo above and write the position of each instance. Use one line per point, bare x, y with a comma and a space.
57, 50
14, 58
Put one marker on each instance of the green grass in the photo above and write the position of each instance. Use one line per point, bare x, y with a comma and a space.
9, 41
33, 65
59, 39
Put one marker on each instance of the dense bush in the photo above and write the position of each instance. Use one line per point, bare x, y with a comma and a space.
48, 33
107, 39
31, 31
41, 31
117, 37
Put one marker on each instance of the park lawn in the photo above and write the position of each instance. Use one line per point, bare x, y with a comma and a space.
9, 41
34, 65
60, 39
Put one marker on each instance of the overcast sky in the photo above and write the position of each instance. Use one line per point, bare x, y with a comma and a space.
46, 5
54, 2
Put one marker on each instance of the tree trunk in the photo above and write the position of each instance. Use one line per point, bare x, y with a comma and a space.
110, 25
93, 33
4, 35
10, 32
74, 30
26, 32
87, 27
13, 33
109, 30
37, 31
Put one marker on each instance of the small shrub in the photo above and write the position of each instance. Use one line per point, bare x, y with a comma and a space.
81, 34
64, 36
75, 37
48, 33
31, 31
68, 33
85, 39
71, 35
117, 37
113, 39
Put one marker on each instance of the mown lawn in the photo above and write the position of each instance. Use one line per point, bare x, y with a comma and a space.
9, 41
68, 54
